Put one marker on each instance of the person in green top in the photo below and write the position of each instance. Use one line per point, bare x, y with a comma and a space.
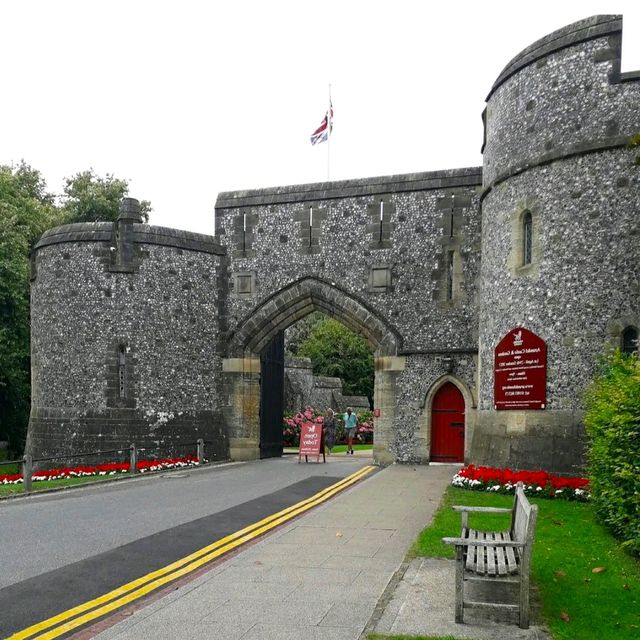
350, 424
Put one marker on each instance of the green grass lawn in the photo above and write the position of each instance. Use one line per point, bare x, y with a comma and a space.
7, 489
577, 603
341, 448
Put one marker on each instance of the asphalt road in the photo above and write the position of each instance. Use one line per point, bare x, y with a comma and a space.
61, 549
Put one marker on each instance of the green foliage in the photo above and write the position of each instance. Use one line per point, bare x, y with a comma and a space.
299, 332
292, 424
338, 352
27, 209
91, 198
577, 602
634, 142
613, 428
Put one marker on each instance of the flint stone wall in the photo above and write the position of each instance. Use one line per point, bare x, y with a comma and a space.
556, 130
420, 209
163, 312
428, 215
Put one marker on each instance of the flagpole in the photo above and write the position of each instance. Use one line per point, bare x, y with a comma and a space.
329, 137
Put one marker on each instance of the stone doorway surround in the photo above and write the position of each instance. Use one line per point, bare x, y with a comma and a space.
424, 434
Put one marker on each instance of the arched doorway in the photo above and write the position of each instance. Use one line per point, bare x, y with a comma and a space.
251, 382
447, 424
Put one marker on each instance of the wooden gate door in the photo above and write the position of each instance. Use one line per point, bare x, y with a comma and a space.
272, 397
447, 425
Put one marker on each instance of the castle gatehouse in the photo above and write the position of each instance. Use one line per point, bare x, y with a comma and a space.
487, 294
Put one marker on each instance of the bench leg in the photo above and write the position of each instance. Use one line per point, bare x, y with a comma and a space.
524, 601
459, 613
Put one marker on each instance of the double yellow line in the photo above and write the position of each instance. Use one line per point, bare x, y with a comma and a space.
98, 607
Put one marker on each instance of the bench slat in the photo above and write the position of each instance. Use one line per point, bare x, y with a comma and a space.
512, 564
501, 557
471, 550
480, 554
491, 555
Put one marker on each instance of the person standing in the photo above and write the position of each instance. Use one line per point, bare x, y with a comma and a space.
329, 425
350, 424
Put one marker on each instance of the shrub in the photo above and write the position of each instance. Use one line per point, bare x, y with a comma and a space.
613, 429
291, 424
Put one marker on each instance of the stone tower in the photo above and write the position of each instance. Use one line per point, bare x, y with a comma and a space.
560, 230
125, 335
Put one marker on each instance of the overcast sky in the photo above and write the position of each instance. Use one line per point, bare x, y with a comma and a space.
186, 99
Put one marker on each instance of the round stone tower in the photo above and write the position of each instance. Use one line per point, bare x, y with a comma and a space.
125, 334
560, 232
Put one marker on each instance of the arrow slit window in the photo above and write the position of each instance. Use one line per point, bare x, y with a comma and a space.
527, 238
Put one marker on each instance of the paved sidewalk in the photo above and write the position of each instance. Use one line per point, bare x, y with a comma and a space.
423, 604
319, 577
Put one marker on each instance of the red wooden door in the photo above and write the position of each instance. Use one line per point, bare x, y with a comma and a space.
447, 425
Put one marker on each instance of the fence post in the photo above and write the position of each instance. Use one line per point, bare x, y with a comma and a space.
200, 449
133, 459
27, 472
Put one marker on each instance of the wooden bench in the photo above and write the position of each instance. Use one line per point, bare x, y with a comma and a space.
496, 556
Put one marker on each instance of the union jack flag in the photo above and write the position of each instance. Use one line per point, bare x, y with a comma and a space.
321, 134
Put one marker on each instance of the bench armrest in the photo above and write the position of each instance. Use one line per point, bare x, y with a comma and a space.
468, 542
457, 507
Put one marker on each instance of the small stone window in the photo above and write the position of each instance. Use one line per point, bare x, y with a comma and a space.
629, 340
244, 284
380, 278
525, 256
527, 238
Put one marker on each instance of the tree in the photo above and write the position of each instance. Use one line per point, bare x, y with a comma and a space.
634, 143
299, 332
26, 210
336, 351
91, 198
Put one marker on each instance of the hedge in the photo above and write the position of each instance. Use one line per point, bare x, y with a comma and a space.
612, 423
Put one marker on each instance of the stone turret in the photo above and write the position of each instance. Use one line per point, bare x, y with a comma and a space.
560, 250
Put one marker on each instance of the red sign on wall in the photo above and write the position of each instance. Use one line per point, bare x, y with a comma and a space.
520, 371
311, 441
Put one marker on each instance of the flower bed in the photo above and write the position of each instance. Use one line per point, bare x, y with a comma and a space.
536, 483
291, 425
109, 469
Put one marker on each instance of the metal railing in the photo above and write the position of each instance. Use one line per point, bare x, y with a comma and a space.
27, 462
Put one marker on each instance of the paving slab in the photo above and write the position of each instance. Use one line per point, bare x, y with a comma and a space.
423, 604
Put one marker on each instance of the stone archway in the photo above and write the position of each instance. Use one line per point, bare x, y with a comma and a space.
426, 417
273, 315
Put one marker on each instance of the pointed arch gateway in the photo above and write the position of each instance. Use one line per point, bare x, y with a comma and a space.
299, 299
247, 372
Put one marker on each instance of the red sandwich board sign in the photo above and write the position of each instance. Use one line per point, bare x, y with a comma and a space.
520, 371
311, 441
